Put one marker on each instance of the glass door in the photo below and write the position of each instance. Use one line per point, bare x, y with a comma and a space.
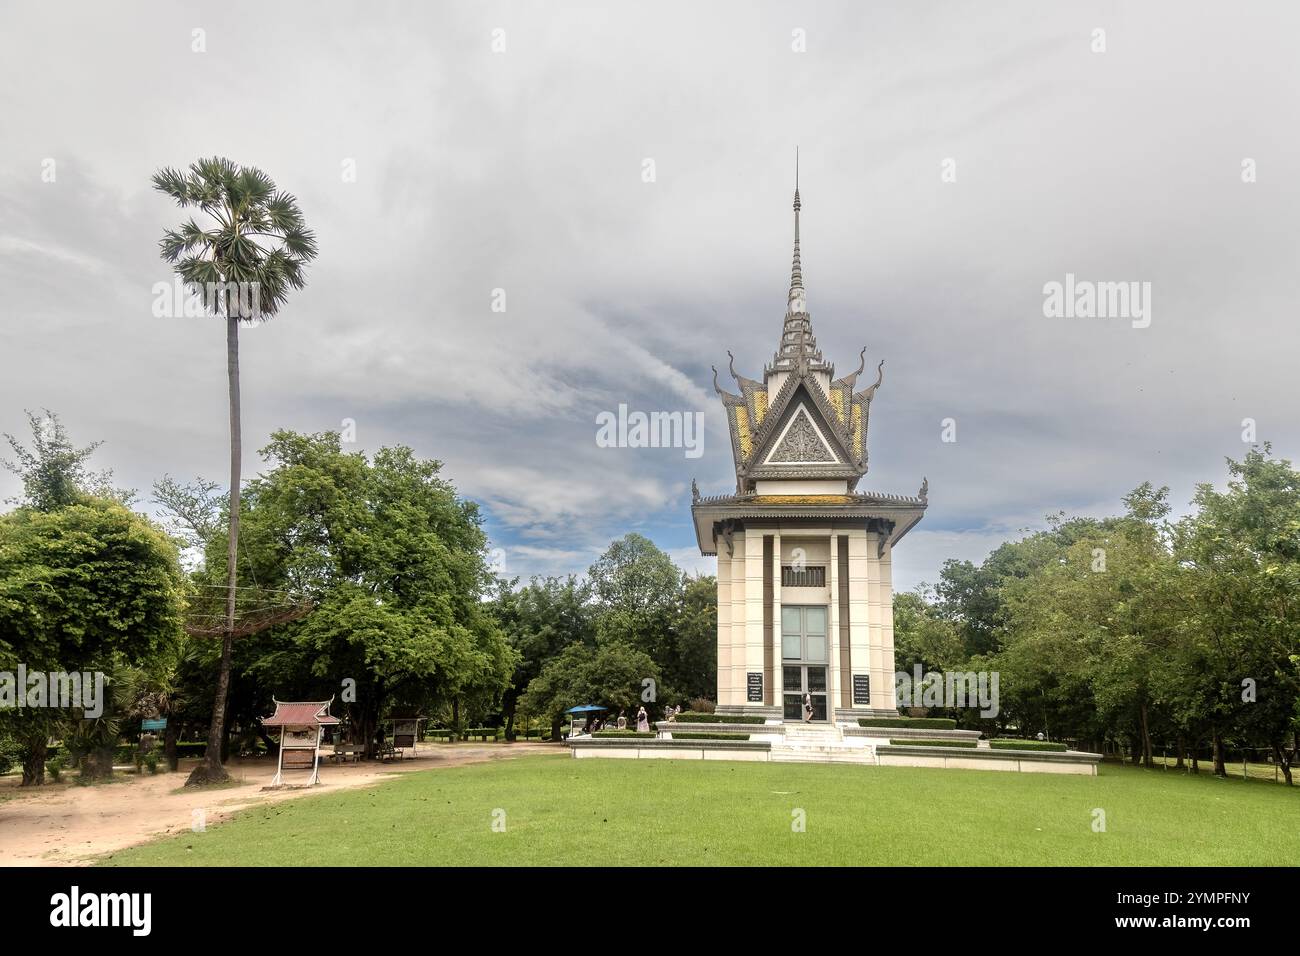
803, 659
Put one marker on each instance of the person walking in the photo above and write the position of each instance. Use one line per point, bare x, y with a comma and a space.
642, 720
807, 708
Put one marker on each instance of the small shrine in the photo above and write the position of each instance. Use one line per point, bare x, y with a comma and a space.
302, 725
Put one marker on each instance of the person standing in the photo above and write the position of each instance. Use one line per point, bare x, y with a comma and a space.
807, 708
642, 720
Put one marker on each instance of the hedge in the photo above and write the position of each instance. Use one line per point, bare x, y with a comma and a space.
688, 717
704, 736
482, 732
934, 743
912, 723
1014, 744
441, 734
623, 733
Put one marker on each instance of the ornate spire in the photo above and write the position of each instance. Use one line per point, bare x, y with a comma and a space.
796, 270
798, 345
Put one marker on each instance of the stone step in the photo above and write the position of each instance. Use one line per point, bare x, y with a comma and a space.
854, 757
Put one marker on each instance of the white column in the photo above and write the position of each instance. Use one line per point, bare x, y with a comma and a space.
833, 628
724, 626
778, 673
860, 544
753, 609
887, 629
738, 618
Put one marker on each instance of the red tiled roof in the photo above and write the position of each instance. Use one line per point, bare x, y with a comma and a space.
300, 714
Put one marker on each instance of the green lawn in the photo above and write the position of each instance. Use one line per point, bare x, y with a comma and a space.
662, 812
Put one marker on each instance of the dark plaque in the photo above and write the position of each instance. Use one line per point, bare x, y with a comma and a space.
862, 688
754, 685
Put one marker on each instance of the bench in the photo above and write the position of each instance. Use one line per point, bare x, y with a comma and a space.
344, 751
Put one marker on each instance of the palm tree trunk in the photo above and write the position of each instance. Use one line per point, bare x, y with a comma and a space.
211, 770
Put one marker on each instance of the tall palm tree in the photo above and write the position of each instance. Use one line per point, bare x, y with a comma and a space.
245, 258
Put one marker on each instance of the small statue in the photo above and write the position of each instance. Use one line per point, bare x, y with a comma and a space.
695, 491
924, 493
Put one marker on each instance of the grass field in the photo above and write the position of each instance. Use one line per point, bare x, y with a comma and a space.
662, 812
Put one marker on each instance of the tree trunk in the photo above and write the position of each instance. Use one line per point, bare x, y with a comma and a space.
34, 764
556, 724
1182, 746
169, 744
455, 716
211, 770
1148, 760
1219, 769
1280, 756
510, 725
272, 747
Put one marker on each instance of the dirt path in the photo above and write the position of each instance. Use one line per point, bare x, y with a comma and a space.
65, 825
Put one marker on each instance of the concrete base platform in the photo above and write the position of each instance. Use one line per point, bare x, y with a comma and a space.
826, 743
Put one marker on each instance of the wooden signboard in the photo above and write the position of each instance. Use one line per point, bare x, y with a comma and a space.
294, 759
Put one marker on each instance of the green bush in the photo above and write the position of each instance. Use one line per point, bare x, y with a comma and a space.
483, 732
443, 734
623, 733
709, 736
911, 723
11, 754
934, 743
54, 767
1014, 744
694, 717
151, 761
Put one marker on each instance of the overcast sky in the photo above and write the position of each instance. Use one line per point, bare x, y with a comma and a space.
523, 169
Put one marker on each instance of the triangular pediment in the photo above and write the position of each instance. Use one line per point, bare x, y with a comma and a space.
800, 436
801, 442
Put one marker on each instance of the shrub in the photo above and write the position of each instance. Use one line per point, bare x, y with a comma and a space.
624, 733
1013, 744
151, 761
709, 736
911, 723
934, 743
695, 717
54, 767
441, 734
702, 705
482, 732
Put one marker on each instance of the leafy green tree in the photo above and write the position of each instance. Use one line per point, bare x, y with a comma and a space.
923, 635
638, 591
613, 675
54, 471
694, 665
1242, 549
245, 258
396, 565
540, 619
89, 586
